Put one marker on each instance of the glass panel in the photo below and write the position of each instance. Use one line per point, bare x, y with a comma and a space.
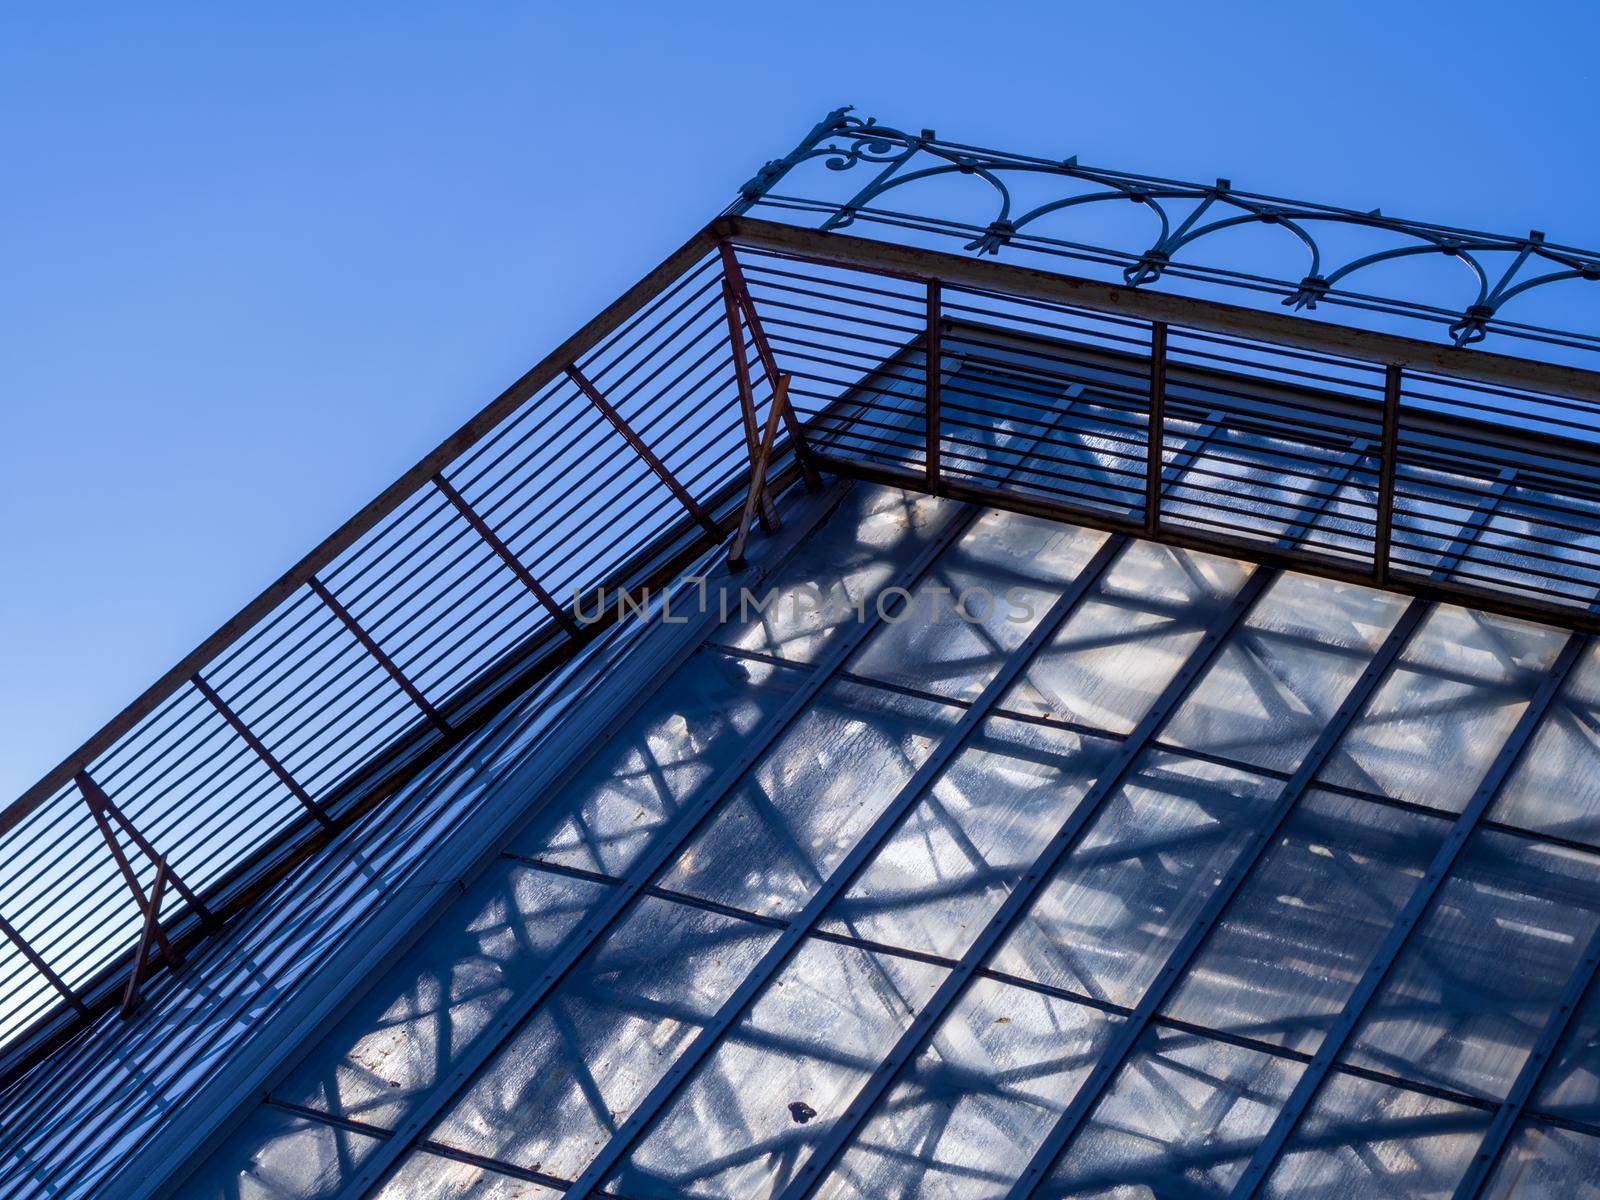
977, 1102
1181, 1118
845, 561
1542, 1162
746, 1121
992, 418
441, 996
553, 1094
963, 847
686, 733
276, 1155
1127, 638
424, 1176
1571, 1084
1361, 1138
1555, 787
1266, 490
791, 820
1295, 940
1283, 672
1482, 972
1435, 726
976, 604
1128, 891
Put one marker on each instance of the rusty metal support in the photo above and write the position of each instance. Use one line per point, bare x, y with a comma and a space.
1388, 455
377, 652
734, 275
37, 960
1156, 429
492, 539
643, 451
758, 470
261, 751
104, 810
141, 954
933, 387
747, 401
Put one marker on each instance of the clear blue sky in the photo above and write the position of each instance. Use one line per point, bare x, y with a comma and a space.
256, 260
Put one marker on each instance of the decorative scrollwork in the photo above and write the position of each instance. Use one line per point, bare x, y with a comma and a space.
1184, 215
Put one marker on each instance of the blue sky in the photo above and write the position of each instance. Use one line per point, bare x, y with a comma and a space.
254, 262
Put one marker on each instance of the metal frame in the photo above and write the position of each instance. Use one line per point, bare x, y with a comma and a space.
1126, 1037
643, 873
1339, 1033
1509, 1110
1028, 886
621, 330
804, 923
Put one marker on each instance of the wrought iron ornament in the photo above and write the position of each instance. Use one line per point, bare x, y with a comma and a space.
1498, 268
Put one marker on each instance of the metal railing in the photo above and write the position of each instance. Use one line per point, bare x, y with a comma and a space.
615, 462
647, 439
1426, 469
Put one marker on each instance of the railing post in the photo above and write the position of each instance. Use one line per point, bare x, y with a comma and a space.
383, 660
643, 451
261, 751
1156, 428
1388, 453
733, 274
933, 390
483, 529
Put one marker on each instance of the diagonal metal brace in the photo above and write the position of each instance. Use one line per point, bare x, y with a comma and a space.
131, 996
104, 811
747, 401
733, 274
758, 470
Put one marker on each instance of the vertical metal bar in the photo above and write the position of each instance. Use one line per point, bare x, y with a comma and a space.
1156, 429
845, 642
690, 504
1533, 1069
485, 531
758, 472
383, 660
1126, 1035
1028, 887
734, 275
37, 960
747, 397
101, 806
141, 953
261, 751
805, 922
1388, 457
933, 389
1339, 1033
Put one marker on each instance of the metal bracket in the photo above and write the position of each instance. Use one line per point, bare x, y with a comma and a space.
104, 811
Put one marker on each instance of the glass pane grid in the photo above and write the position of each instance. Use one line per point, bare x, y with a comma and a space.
1160, 719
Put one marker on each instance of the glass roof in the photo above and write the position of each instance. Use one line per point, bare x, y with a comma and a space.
1002, 857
